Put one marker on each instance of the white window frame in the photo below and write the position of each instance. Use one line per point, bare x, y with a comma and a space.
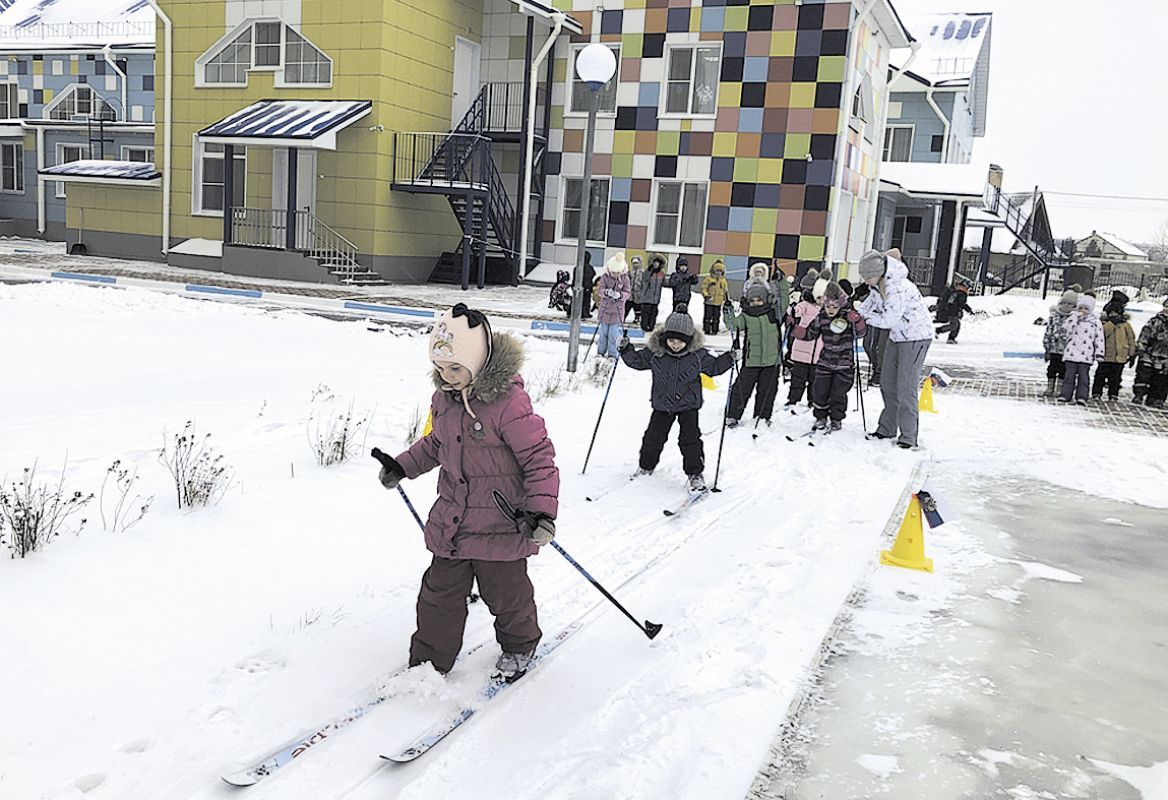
72, 89
886, 150
17, 165
256, 66
564, 238
278, 69
574, 79
664, 93
676, 246
127, 148
197, 209
11, 94
83, 149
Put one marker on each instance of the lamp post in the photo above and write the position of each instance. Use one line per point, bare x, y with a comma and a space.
595, 65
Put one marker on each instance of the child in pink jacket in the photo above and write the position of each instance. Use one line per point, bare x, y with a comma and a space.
1085, 346
485, 437
804, 353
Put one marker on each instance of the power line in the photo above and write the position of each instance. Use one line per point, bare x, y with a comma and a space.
1107, 196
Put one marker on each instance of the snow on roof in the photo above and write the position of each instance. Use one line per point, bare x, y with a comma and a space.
1125, 247
313, 123
954, 51
98, 168
932, 180
38, 24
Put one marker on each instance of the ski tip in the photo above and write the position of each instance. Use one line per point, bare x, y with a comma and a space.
668, 513
404, 757
240, 779
652, 629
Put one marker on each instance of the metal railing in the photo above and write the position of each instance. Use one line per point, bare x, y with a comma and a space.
78, 30
1016, 222
920, 269
439, 160
268, 228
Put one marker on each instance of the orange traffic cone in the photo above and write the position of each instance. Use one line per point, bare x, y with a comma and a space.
908, 550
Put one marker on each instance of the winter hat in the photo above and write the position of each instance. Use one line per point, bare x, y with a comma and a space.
656, 262
1076, 287
1119, 297
718, 265
873, 264
1086, 301
678, 325
820, 287
1068, 301
462, 336
562, 276
759, 271
756, 291
682, 261
617, 265
809, 278
846, 285
636, 262
833, 293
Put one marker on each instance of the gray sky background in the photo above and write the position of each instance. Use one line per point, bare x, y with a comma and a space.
1077, 103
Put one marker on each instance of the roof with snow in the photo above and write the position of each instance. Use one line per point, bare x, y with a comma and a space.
297, 123
950, 181
92, 170
1123, 246
64, 24
954, 52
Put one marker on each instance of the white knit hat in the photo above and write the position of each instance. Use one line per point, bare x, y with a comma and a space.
616, 264
462, 336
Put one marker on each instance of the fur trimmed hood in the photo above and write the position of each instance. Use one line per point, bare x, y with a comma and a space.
507, 359
656, 344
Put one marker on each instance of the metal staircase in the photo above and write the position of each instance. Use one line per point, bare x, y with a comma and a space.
268, 228
1039, 245
459, 165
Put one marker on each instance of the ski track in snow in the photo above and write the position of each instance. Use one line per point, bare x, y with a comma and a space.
197, 641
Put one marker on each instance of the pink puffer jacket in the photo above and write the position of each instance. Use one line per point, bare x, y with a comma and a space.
802, 350
506, 448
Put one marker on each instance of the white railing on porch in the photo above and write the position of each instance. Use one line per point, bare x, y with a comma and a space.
268, 228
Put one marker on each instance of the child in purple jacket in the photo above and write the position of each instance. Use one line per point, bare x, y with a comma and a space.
837, 327
485, 437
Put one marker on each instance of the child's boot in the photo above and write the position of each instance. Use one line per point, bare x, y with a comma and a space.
1051, 387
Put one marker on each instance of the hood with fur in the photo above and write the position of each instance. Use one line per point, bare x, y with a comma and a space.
656, 343
495, 379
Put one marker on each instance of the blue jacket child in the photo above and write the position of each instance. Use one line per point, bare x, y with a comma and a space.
677, 359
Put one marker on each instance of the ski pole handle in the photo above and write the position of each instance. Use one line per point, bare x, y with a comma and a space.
385, 461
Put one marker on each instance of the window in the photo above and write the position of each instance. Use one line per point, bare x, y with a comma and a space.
9, 101
691, 81
936, 143
597, 210
898, 225
303, 63
680, 215
605, 95
211, 176
12, 168
862, 101
230, 66
142, 154
68, 153
80, 100
898, 143
267, 44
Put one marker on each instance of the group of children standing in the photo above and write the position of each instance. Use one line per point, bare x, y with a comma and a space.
1076, 339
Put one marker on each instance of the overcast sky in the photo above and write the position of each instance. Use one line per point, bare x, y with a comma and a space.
1078, 102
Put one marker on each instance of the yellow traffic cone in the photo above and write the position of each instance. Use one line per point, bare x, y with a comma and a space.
708, 382
926, 400
909, 548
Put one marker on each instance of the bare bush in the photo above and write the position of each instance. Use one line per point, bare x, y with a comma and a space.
415, 426
201, 476
34, 514
125, 513
549, 383
332, 433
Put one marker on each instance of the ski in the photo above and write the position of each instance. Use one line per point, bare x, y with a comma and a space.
692, 498
592, 498
791, 438
493, 687
297, 746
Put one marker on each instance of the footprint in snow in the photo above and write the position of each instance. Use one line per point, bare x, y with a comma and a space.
137, 745
87, 783
261, 663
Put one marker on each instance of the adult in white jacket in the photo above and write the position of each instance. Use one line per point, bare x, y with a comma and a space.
895, 303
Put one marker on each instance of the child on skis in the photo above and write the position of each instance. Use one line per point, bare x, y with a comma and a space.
485, 438
759, 325
715, 291
561, 294
1054, 341
1084, 334
682, 283
677, 359
651, 292
1119, 346
804, 353
1151, 384
614, 290
637, 284
837, 326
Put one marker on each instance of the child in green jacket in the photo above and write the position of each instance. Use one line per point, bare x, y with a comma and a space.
759, 325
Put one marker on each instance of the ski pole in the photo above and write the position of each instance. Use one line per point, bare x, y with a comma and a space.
650, 629
384, 459
860, 393
725, 414
611, 378
595, 331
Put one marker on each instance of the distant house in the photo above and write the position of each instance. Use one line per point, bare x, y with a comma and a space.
76, 82
1116, 262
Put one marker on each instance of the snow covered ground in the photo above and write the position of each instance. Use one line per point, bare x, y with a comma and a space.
150, 662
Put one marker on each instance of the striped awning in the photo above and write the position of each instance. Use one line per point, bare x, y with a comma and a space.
288, 123
92, 170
